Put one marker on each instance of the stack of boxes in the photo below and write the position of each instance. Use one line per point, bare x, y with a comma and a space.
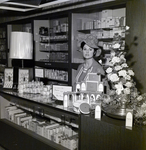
56, 74
88, 91
51, 130
108, 18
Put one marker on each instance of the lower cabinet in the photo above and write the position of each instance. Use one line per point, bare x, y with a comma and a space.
14, 137
110, 134
27, 124
93, 134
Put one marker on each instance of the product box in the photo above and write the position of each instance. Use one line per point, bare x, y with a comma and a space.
48, 128
45, 127
33, 125
93, 77
73, 142
92, 86
103, 22
57, 138
122, 21
7, 109
25, 124
110, 22
11, 114
119, 12
107, 13
25, 118
40, 129
18, 115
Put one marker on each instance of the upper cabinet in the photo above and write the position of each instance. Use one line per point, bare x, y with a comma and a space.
51, 40
57, 38
105, 24
51, 48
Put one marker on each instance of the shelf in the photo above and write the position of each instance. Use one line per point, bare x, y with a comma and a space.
58, 33
50, 51
59, 40
44, 42
32, 140
44, 35
62, 81
87, 31
31, 102
52, 64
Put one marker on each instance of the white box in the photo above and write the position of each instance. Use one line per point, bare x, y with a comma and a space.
103, 22
93, 77
107, 13
110, 22
119, 12
92, 86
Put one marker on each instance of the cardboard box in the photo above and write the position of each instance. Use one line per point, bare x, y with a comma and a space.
119, 12
107, 13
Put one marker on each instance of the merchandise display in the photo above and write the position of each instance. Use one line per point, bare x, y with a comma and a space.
35, 87
8, 78
51, 130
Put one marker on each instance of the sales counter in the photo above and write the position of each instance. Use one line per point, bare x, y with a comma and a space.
104, 134
35, 104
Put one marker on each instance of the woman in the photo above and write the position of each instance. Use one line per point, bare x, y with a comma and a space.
90, 49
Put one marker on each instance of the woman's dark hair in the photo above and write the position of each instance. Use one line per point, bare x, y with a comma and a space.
82, 44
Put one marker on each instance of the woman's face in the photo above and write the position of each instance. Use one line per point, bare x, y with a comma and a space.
87, 52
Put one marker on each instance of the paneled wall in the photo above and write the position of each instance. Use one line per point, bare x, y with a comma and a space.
136, 19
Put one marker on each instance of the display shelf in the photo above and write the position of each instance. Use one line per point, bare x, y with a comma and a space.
60, 81
65, 51
87, 31
19, 134
105, 23
59, 40
52, 64
53, 51
34, 104
32, 101
44, 35
43, 42
59, 33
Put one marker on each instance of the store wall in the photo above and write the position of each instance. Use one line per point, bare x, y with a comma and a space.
136, 20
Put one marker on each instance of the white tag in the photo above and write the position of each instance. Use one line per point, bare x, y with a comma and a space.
98, 112
101, 88
129, 118
65, 101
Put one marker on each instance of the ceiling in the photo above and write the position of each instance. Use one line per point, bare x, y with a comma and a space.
15, 7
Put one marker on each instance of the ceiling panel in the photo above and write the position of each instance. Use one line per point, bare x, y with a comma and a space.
19, 7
